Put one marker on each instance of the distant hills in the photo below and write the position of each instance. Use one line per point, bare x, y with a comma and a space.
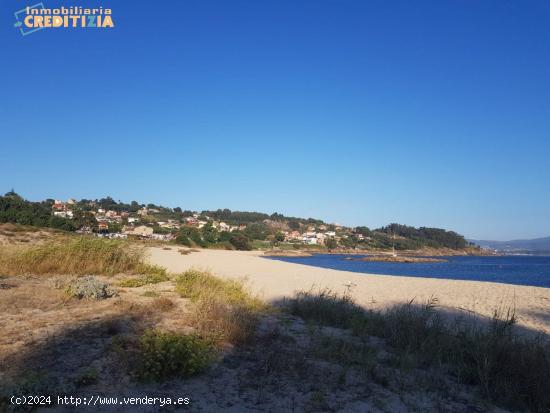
216, 228
539, 246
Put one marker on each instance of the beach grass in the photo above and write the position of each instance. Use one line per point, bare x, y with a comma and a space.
511, 370
222, 309
76, 256
195, 285
325, 307
148, 274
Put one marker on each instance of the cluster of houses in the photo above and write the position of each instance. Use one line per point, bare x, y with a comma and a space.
310, 237
318, 236
104, 218
130, 225
195, 221
63, 209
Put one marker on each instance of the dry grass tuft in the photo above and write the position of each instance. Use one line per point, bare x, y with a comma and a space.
196, 285
223, 309
222, 322
163, 304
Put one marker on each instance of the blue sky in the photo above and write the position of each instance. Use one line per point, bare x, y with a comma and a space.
359, 112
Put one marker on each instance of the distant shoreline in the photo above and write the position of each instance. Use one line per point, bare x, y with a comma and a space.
421, 253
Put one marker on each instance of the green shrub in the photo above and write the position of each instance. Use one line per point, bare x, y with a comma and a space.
150, 274
151, 270
90, 287
165, 355
183, 240
189, 237
240, 242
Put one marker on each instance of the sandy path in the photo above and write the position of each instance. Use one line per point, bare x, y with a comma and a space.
274, 280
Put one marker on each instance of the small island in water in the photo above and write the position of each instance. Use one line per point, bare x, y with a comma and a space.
396, 258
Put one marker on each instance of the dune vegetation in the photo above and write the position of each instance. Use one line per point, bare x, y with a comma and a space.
511, 370
163, 355
222, 309
75, 256
148, 274
179, 329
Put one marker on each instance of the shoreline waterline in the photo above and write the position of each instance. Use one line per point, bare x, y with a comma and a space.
274, 280
515, 270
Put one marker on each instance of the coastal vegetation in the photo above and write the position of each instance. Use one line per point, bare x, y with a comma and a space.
219, 229
511, 370
152, 274
240, 242
215, 312
223, 310
16, 210
76, 256
162, 355
196, 322
423, 237
89, 287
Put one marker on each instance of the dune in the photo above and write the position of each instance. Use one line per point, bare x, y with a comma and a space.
274, 280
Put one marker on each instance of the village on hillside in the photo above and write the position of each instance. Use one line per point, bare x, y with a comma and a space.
221, 228
147, 223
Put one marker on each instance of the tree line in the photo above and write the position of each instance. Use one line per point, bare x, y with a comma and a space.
259, 226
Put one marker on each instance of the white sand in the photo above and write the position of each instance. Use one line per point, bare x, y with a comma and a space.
273, 280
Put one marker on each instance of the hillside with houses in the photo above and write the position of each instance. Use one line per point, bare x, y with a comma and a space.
221, 228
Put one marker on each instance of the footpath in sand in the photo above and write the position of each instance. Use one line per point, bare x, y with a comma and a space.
274, 280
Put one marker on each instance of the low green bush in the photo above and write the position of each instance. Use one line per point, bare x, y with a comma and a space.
90, 287
240, 242
165, 355
149, 274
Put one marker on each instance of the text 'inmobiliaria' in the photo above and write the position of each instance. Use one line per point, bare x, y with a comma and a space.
69, 17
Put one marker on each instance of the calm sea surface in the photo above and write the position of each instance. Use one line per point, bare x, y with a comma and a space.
520, 270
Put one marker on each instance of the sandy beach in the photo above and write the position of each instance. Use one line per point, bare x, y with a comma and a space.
274, 280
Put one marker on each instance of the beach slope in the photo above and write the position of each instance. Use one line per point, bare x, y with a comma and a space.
274, 280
